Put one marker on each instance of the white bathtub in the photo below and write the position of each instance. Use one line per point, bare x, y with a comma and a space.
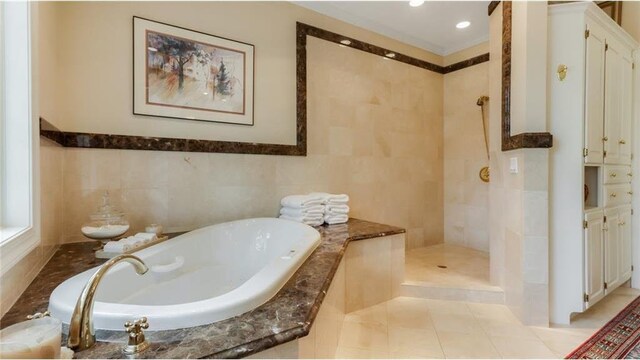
198, 278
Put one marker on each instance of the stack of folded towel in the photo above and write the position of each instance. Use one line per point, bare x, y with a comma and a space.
129, 243
306, 209
336, 210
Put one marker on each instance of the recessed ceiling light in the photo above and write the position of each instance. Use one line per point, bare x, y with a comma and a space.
416, 3
463, 24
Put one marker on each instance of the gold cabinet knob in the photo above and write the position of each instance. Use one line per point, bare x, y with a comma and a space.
613, 195
622, 142
621, 223
605, 139
630, 192
629, 174
613, 174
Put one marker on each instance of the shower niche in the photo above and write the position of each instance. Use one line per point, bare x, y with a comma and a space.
592, 187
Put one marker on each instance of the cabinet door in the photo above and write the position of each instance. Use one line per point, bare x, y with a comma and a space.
612, 248
625, 256
612, 103
594, 96
626, 106
594, 257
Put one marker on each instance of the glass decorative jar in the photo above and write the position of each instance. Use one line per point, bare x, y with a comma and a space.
106, 224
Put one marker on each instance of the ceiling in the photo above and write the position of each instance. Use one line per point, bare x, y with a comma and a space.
431, 26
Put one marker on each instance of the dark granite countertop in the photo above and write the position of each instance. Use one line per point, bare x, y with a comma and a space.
287, 316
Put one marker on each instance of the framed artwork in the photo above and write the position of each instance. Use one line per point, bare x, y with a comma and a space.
185, 74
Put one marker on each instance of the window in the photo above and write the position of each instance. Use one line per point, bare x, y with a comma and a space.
18, 137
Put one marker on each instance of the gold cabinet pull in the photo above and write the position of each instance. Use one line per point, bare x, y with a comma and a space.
630, 192
613, 174
613, 195
621, 223
629, 174
605, 139
622, 142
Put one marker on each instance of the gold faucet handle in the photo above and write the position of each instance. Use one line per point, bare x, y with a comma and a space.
38, 315
137, 342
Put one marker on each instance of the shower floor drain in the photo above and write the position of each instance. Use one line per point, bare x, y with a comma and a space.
442, 266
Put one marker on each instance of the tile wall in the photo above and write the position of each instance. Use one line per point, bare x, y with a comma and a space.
374, 132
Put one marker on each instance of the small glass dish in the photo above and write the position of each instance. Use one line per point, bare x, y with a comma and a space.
107, 223
32, 339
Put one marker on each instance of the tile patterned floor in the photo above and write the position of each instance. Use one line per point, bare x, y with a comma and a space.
466, 268
423, 328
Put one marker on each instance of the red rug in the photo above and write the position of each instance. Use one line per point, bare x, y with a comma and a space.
618, 339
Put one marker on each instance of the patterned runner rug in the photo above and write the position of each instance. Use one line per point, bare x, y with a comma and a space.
618, 339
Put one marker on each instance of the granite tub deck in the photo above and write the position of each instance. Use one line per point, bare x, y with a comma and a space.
287, 316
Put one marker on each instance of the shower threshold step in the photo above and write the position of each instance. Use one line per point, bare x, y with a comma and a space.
484, 294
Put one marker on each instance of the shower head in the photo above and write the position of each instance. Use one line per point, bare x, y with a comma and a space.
482, 100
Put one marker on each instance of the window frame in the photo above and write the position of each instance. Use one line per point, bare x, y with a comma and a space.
19, 234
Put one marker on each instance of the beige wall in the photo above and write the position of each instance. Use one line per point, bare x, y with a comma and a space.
466, 199
631, 18
518, 202
92, 81
375, 132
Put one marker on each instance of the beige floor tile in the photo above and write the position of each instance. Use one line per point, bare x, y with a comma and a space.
409, 313
356, 353
513, 348
369, 336
492, 312
465, 267
466, 324
458, 346
414, 343
413, 354
447, 307
561, 340
498, 328
373, 314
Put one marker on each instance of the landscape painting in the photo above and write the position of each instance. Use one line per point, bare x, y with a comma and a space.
195, 76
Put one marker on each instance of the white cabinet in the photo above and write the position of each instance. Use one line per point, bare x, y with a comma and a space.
618, 106
594, 93
612, 249
593, 254
625, 257
591, 114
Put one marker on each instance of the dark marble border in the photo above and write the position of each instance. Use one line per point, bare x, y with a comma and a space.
130, 142
466, 63
308, 30
492, 6
523, 140
133, 142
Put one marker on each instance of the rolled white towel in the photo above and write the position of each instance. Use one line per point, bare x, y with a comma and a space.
337, 209
300, 201
312, 221
336, 199
312, 210
336, 219
118, 247
146, 236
